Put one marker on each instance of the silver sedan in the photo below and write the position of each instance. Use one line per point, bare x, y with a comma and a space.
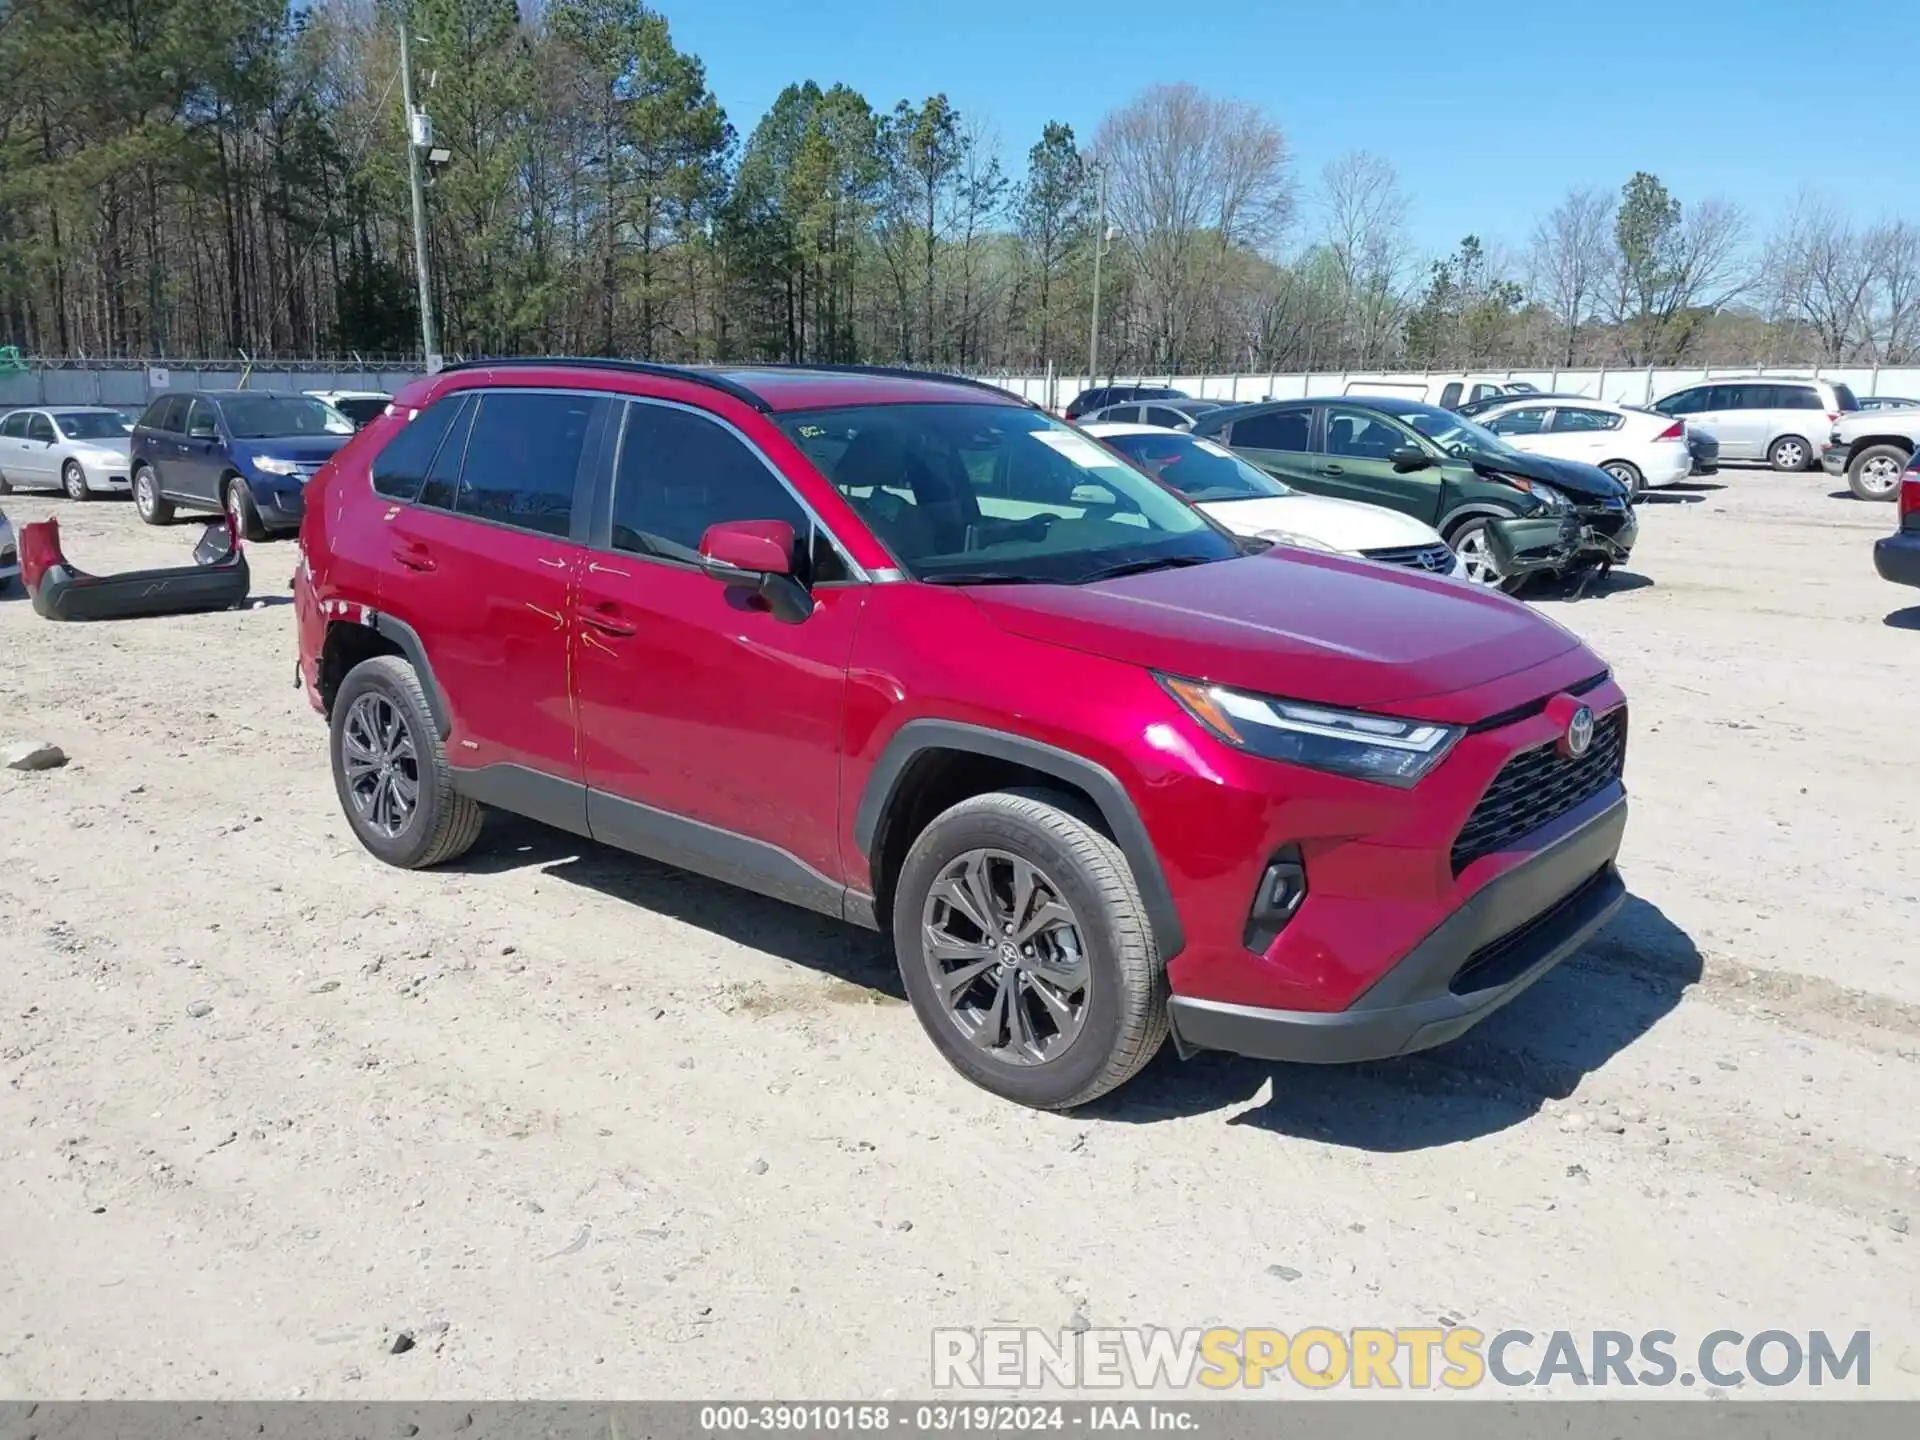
79, 449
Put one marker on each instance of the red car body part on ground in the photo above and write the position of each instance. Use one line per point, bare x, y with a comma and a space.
1350, 809
218, 579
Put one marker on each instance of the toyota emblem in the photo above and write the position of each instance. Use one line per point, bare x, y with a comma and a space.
1580, 732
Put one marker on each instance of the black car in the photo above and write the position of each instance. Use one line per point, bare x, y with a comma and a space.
1437, 466
1897, 557
1169, 414
1102, 396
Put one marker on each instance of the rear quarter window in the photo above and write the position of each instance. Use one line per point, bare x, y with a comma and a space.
1282, 430
1844, 398
400, 469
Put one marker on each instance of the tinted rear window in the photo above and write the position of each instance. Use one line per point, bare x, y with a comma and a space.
1844, 397
1282, 430
400, 469
523, 459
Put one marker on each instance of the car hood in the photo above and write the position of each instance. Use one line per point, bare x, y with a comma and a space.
1589, 482
315, 449
1344, 524
1293, 623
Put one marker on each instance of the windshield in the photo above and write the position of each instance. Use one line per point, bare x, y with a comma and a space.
991, 493
361, 408
254, 417
1198, 469
1453, 433
93, 424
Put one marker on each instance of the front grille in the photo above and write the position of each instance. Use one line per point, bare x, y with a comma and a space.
1435, 559
1538, 786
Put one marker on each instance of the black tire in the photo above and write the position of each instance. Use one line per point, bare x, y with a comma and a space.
1628, 474
444, 823
148, 502
1791, 454
73, 480
6, 486
1866, 472
1125, 1020
239, 502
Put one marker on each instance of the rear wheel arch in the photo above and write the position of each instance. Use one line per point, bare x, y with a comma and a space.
349, 642
931, 765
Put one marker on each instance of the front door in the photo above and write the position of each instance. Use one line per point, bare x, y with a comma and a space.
1356, 463
36, 454
698, 704
482, 567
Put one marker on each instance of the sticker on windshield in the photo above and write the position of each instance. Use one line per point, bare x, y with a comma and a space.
1075, 447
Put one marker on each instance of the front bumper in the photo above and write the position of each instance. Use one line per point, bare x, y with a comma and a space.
1607, 533
107, 475
1897, 558
1833, 460
1529, 544
1503, 938
281, 503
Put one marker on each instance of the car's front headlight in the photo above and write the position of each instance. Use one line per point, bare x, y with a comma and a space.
1303, 542
274, 465
1343, 742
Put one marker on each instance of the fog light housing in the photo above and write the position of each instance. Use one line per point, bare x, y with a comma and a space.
1277, 899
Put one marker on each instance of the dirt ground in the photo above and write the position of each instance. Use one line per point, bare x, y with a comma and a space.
592, 1128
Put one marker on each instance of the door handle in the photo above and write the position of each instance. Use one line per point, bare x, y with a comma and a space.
1333, 470
607, 621
414, 556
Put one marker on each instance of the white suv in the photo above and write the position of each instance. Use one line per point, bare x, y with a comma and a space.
1784, 420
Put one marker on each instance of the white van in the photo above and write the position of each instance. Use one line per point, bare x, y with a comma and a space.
1446, 391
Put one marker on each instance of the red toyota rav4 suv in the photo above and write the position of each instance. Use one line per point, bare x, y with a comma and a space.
911, 652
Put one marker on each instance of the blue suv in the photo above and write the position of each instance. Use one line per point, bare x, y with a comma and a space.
242, 451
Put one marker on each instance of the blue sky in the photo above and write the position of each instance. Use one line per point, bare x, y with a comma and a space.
1489, 110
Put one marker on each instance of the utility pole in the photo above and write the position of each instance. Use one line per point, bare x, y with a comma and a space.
1101, 244
419, 136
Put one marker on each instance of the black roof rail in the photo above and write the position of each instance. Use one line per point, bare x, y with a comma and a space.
632, 367
897, 372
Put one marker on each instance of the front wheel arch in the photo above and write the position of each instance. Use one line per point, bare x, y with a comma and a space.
887, 805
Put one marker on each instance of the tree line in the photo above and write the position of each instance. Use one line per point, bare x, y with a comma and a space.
211, 178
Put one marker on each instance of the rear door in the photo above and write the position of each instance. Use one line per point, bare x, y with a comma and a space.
1355, 463
696, 702
13, 437
1741, 416
1280, 443
483, 566
1526, 428
201, 457
1580, 432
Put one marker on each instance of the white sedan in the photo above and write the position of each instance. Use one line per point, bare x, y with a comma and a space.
1639, 448
80, 449
1248, 501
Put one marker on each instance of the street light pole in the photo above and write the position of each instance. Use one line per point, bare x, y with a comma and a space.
429, 338
1100, 240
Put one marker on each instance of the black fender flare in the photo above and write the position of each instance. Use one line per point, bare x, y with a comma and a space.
1116, 806
414, 649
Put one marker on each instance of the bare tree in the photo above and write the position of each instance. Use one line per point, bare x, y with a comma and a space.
1190, 177
1365, 215
1896, 302
1818, 272
1569, 262
1673, 269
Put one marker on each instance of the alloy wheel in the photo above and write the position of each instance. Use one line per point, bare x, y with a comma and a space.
1789, 455
74, 480
1476, 553
1880, 476
143, 493
382, 766
1008, 959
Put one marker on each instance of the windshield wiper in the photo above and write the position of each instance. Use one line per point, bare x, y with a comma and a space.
983, 577
1140, 567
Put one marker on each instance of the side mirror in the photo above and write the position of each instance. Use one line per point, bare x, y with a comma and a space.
1410, 457
757, 554
750, 548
